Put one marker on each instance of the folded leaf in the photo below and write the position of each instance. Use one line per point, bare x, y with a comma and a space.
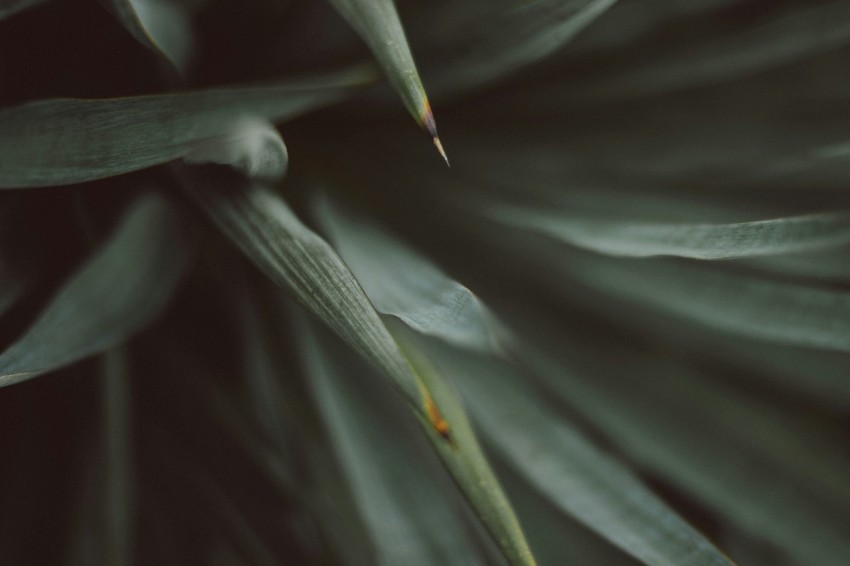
63, 141
569, 471
401, 283
114, 295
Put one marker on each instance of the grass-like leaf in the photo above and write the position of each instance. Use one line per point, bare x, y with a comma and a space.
160, 25
409, 520
116, 293
268, 232
476, 43
401, 283
377, 22
578, 478
713, 442
63, 141
698, 241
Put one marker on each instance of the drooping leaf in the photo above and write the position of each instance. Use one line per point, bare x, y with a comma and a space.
160, 25
698, 241
377, 22
63, 141
710, 440
573, 474
408, 518
401, 283
252, 146
113, 295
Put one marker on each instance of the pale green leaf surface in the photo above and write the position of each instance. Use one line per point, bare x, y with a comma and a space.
117, 292
160, 25
762, 469
401, 283
697, 241
63, 141
251, 145
409, 520
574, 475
377, 22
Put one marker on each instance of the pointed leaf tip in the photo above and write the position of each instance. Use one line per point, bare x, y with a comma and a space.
430, 126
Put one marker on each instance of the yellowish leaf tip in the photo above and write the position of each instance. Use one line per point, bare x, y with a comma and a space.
431, 127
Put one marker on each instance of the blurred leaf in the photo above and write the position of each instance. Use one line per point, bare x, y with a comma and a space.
698, 241
572, 474
377, 22
63, 141
116, 293
11, 7
251, 145
794, 33
160, 25
410, 521
401, 283
474, 43
770, 472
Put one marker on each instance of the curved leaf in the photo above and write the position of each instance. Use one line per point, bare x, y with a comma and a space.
114, 295
63, 141
401, 283
160, 25
697, 241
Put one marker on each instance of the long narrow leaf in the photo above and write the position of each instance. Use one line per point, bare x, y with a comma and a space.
577, 477
160, 25
115, 294
63, 141
377, 22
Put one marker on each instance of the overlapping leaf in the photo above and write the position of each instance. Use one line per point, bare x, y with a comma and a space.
711, 440
113, 295
574, 475
63, 141
294, 257
403, 284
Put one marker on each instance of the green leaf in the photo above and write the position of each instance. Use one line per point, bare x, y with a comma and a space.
160, 25
63, 141
477, 44
409, 519
569, 471
401, 283
462, 455
294, 257
251, 145
795, 33
377, 22
112, 296
11, 7
699, 241
770, 472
